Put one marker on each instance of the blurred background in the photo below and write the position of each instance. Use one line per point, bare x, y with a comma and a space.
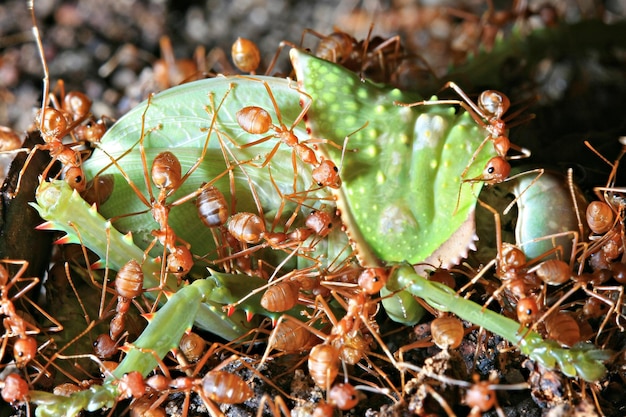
107, 48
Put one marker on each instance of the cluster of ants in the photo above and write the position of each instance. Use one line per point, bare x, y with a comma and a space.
69, 115
340, 330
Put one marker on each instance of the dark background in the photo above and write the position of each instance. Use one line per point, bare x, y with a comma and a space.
581, 91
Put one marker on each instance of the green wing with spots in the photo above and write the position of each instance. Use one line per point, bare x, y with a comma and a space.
402, 168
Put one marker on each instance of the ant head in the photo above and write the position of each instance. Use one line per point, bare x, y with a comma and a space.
75, 177
24, 350
92, 131
344, 396
372, 280
480, 396
320, 222
496, 170
327, 174
527, 310
180, 261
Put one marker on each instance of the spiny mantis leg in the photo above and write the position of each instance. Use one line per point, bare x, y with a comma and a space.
583, 359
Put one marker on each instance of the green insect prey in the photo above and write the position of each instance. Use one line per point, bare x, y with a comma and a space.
583, 359
550, 190
200, 303
400, 192
179, 120
65, 210
403, 197
399, 197
162, 334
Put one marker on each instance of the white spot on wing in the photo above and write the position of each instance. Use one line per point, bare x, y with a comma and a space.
429, 129
395, 219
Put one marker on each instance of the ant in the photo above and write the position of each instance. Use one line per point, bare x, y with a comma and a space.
128, 285
256, 120
166, 175
375, 58
606, 216
249, 228
9, 139
480, 396
245, 55
215, 386
488, 112
56, 122
345, 343
14, 389
167, 71
25, 347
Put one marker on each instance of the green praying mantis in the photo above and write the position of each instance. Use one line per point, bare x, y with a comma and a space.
403, 196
